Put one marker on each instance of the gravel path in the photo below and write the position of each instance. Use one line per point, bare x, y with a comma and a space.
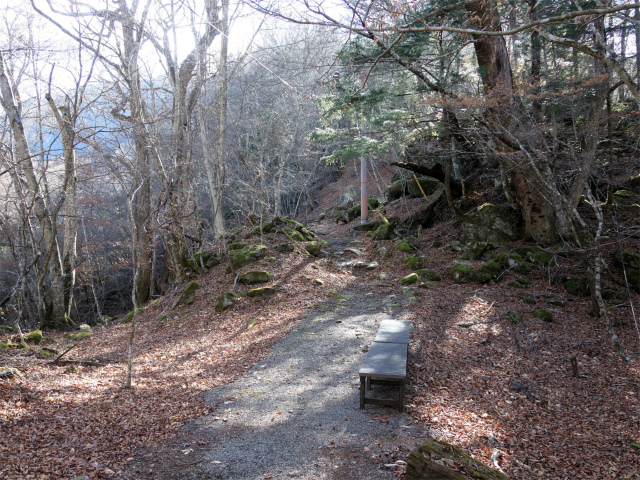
296, 414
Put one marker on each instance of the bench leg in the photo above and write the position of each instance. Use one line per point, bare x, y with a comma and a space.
401, 387
363, 385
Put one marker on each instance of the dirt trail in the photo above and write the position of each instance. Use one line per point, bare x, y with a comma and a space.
296, 413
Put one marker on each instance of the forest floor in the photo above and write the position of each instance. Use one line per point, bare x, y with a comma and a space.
475, 378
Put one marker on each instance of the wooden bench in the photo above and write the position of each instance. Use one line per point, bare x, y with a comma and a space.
387, 362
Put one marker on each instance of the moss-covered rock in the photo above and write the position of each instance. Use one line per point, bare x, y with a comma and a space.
233, 234
318, 282
189, 300
404, 246
487, 272
8, 329
186, 294
191, 288
429, 185
368, 226
516, 284
225, 301
293, 234
246, 256
413, 262
262, 292
48, 351
429, 274
264, 228
34, 337
437, 242
296, 224
577, 286
557, 303
206, 259
79, 335
386, 231
529, 300
512, 261
306, 233
462, 273
314, 248
7, 344
373, 202
71, 370
353, 213
237, 245
543, 259
524, 281
396, 190
254, 277
409, 279
284, 247
543, 314
127, 318
526, 250
476, 240
514, 316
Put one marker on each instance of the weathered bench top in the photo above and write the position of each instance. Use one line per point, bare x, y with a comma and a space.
393, 331
385, 360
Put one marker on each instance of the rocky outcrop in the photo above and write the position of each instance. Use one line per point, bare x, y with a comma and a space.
502, 219
476, 240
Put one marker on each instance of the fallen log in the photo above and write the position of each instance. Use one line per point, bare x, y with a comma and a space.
436, 172
439, 460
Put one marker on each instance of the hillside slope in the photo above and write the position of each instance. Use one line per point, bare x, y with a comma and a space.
479, 376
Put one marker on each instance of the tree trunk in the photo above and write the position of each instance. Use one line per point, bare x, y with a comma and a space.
221, 127
538, 213
536, 64
66, 122
637, 44
52, 308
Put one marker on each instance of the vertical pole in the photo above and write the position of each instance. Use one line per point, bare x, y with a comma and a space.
364, 205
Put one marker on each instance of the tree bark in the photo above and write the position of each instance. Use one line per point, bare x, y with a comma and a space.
538, 212
66, 121
536, 64
221, 127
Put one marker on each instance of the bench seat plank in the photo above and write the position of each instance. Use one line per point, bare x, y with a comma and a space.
387, 360
393, 331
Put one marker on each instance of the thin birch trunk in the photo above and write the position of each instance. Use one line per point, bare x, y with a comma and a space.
221, 126
595, 279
